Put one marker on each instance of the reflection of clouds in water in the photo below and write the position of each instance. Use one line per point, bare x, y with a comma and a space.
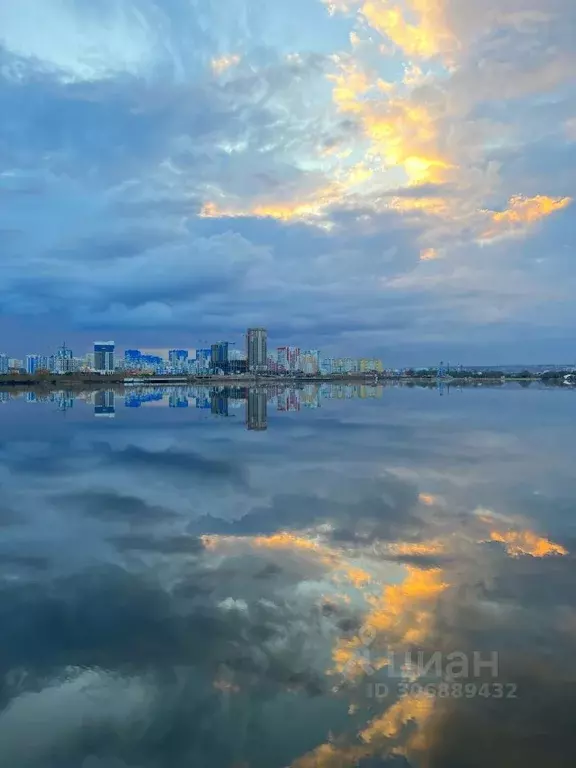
59, 716
217, 591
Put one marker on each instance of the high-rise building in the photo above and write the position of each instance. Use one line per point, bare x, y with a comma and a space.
89, 361
257, 349
310, 361
63, 361
4, 366
282, 359
219, 355
178, 358
293, 358
344, 365
132, 359
33, 363
203, 357
366, 364
104, 356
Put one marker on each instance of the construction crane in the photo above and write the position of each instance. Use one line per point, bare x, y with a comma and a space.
209, 343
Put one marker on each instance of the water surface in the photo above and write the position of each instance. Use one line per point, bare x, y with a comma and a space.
225, 578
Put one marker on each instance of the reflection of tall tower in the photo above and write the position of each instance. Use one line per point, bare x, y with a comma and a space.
105, 404
178, 400
219, 403
257, 350
257, 410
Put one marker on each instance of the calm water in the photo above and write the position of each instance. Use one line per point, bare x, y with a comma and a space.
330, 578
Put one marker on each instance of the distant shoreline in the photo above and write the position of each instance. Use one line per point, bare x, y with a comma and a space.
66, 381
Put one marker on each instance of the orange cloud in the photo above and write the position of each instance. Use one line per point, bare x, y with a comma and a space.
415, 709
301, 544
330, 557
402, 615
420, 548
398, 133
522, 212
376, 737
428, 37
519, 543
311, 208
357, 576
350, 83
403, 132
285, 211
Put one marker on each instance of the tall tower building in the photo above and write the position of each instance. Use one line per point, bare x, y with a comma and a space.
257, 349
104, 356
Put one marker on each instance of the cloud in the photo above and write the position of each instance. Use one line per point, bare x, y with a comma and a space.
429, 254
521, 213
428, 37
87, 699
223, 63
218, 168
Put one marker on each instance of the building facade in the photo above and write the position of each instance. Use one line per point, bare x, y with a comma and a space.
104, 356
178, 358
219, 356
310, 361
33, 364
257, 350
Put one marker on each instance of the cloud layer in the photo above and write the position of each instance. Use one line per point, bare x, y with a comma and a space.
399, 182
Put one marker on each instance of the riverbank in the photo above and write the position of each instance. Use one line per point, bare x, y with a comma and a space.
117, 381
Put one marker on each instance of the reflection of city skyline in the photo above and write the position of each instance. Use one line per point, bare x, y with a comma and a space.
219, 401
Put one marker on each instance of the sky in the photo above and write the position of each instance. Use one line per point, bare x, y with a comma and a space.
366, 177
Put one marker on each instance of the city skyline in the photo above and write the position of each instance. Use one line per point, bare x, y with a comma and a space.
221, 357
281, 358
